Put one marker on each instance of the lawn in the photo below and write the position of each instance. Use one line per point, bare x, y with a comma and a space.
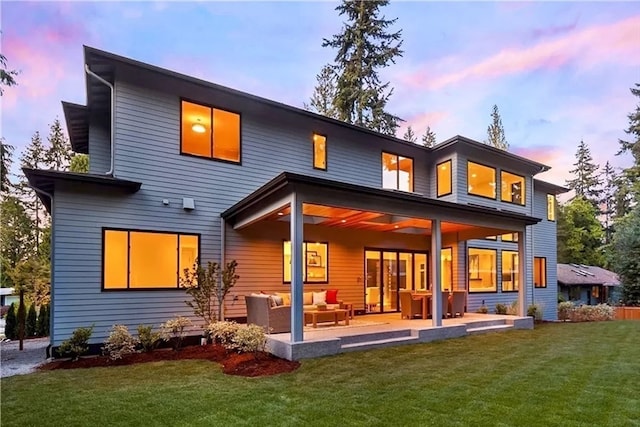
581, 374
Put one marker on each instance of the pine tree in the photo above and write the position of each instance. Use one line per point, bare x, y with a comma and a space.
42, 324
30, 324
324, 94
607, 201
363, 47
410, 135
429, 138
495, 131
632, 173
11, 323
34, 157
7, 77
59, 154
6, 154
586, 182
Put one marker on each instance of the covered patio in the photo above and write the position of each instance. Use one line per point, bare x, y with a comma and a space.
302, 201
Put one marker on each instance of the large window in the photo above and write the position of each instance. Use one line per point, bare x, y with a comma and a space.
397, 172
482, 270
481, 180
319, 152
210, 132
146, 260
446, 269
509, 271
513, 189
539, 272
315, 262
444, 178
551, 207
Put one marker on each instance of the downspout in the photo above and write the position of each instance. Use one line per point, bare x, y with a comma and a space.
113, 108
222, 265
52, 249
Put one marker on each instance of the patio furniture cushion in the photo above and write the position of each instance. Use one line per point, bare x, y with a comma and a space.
307, 298
273, 319
286, 298
332, 296
320, 297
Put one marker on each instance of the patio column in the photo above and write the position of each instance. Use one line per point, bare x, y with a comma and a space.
522, 269
297, 282
436, 288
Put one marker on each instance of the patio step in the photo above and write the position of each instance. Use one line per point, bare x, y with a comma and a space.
491, 328
386, 342
483, 323
375, 336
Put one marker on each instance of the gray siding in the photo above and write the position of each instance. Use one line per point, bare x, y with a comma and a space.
99, 145
544, 244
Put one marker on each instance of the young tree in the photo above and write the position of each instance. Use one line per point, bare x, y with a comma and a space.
580, 234
16, 237
586, 182
429, 138
324, 93
495, 131
59, 154
363, 47
79, 163
625, 257
632, 173
410, 135
7, 77
6, 155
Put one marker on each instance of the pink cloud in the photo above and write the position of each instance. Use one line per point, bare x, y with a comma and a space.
544, 154
420, 121
612, 43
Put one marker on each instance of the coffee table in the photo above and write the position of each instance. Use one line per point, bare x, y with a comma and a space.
315, 316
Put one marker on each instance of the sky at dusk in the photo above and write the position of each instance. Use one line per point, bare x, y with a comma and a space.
559, 72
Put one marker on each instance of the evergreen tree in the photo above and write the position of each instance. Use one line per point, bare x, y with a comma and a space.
363, 47
30, 324
11, 323
429, 138
79, 163
586, 182
607, 201
42, 324
625, 257
410, 135
7, 77
495, 131
324, 93
6, 154
580, 234
58, 155
33, 157
632, 173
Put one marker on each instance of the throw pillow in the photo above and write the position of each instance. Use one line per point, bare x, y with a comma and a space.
308, 298
320, 297
277, 300
332, 296
286, 298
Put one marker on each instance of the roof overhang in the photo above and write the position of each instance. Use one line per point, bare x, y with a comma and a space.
312, 190
46, 181
77, 119
549, 187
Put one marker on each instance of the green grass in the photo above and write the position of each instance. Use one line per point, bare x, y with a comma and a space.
585, 374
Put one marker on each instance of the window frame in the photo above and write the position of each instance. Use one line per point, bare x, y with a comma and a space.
516, 282
450, 178
495, 251
304, 260
213, 107
546, 281
313, 148
137, 230
397, 188
553, 213
495, 170
524, 188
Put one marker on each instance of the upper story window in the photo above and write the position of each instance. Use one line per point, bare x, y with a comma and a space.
551, 207
443, 178
397, 172
145, 259
481, 180
512, 188
319, 152
210, 132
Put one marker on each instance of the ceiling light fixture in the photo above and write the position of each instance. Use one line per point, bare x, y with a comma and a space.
343, 221
198, 127
280, 213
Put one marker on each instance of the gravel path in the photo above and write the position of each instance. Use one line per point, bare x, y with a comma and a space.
16, 362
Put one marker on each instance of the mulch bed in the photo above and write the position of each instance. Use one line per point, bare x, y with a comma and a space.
243, 364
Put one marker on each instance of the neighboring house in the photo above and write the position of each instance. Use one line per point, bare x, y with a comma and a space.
587, 284
7, 297
182, 169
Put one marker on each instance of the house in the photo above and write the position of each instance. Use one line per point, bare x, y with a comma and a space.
587, 284
182, 169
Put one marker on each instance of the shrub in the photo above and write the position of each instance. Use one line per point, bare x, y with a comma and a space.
208, 287
173, 331
148, 339
120, 343
512, 309
501, 309
535, 311
77, 344
592, 313
483, 309
564, 310
249, 339
42, 325
223, 332
11, 323
30, 324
